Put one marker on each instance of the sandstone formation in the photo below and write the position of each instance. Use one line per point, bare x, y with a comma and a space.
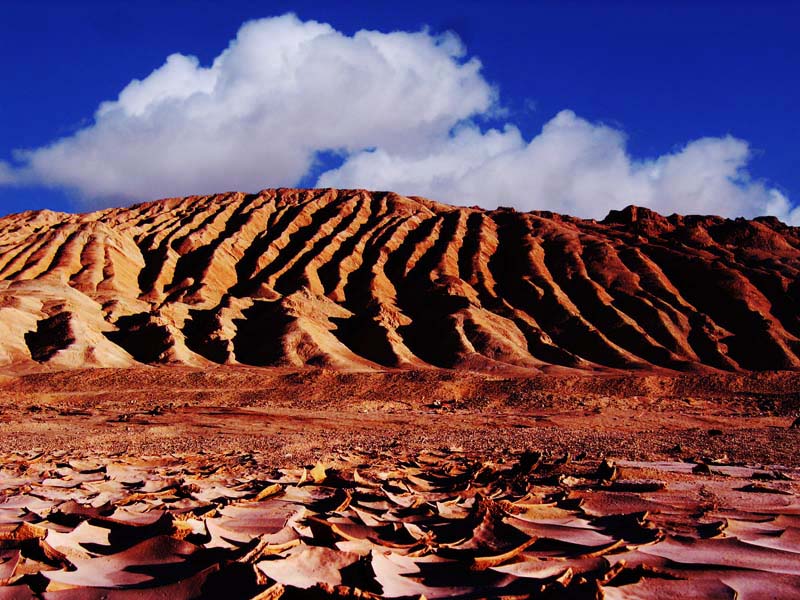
356, 280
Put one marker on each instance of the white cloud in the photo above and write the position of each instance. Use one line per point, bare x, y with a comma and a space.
7, 174
401, 107
282, 90
780, 206
572, 166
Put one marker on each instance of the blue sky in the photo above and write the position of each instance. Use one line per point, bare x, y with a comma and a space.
638, 82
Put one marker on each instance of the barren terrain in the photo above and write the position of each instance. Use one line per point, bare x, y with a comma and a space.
356, 280
339, 393
295, 415
181, 482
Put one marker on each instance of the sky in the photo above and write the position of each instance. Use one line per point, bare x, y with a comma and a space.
575, 107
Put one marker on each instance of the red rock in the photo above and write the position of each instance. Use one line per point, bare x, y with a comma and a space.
349, 279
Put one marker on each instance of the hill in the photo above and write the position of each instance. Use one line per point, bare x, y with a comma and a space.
356, 280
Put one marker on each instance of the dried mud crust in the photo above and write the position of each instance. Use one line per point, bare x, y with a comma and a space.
253, 483
438, 523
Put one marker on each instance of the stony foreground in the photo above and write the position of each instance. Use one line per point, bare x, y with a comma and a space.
437, 523
305, 414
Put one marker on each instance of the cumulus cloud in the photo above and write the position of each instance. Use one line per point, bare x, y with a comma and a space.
282, 91
572, 166
401, 108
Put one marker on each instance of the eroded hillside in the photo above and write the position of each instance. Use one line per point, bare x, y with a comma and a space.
351, 279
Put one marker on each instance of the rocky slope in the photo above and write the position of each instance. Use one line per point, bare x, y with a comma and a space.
349, 279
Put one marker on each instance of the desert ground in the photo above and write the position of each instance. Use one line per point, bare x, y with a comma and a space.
292, 415
236, 482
